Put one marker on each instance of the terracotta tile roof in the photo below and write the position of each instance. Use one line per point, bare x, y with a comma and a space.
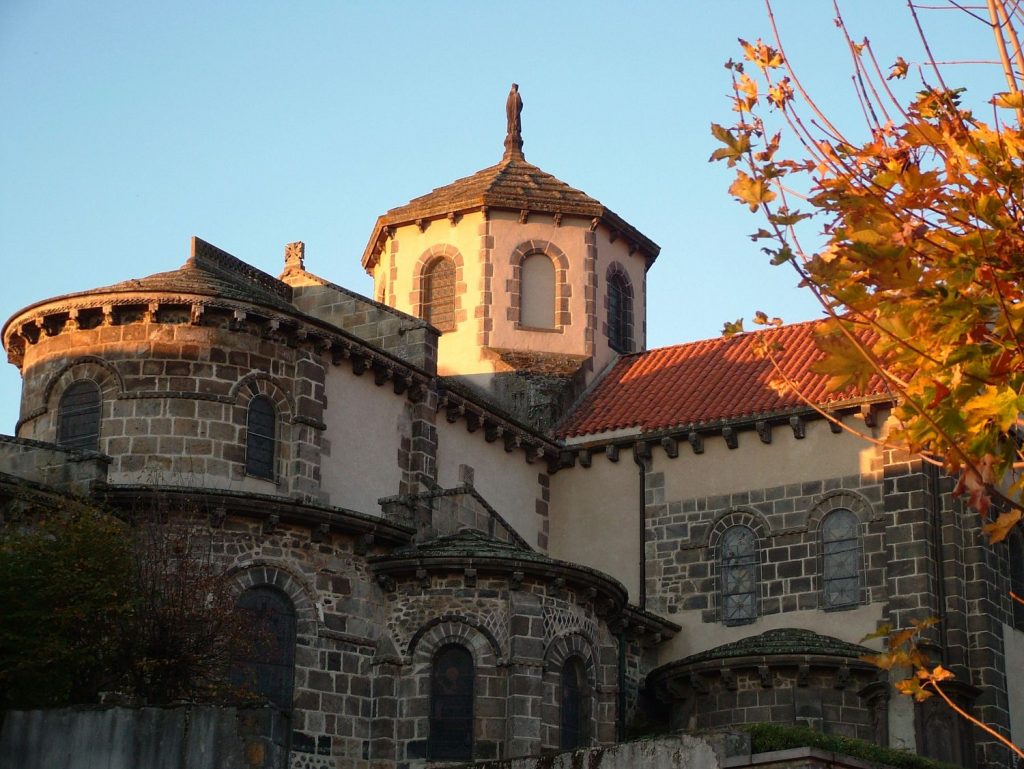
703, 383
512, 184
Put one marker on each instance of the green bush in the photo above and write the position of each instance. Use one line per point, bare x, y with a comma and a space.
765, 738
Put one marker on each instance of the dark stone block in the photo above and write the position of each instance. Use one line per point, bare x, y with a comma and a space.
416, 749
303, 743
323, 746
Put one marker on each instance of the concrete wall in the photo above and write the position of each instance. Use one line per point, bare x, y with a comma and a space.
190, 737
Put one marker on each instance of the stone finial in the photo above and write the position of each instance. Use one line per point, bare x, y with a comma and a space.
513, 113
295, 256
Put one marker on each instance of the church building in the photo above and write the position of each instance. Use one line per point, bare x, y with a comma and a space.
490, 520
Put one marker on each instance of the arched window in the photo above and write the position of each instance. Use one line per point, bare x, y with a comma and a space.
269, 668
261, 437
439, 294
739, 575
451, 705
537, 292
1016, 545
574, 710
78, 416
840, 560
620, 313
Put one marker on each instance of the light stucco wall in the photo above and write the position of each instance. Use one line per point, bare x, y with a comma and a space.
1013, 649
634, 264
595, 518
458, 351
365, 425
753, 465
508, 483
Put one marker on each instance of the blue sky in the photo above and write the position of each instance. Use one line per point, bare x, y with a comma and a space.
130, 126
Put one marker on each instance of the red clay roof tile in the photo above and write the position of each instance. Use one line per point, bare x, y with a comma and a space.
700, 383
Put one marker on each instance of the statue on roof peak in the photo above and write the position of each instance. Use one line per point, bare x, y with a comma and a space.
513, 112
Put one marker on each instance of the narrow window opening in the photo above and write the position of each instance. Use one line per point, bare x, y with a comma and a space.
840, 547
261, 438
269, 669
620, 314
451, 705
574, 714
739, 575
78, 416
439, 294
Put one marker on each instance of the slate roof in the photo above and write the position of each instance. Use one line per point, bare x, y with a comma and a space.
212, 272
707, 382
775, 642
512, 184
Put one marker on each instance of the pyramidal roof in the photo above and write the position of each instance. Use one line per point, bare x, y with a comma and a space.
512, 184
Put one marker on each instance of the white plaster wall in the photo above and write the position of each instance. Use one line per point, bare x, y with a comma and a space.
1013, 649
504, 479
595, 518
365, 425
756, 465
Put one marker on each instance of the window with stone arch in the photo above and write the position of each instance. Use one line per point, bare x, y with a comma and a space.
537, 292
840, 560
261, 438
268, 670
438, 287
451, 704
574, 707
78, 416
1015, 543
739, 560
620, 311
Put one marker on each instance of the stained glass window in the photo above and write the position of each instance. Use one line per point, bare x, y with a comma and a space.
261, 438
739, 574
620, 314
573, 710
269, 669
840, 566
451, 705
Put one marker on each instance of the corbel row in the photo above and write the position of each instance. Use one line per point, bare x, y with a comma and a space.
670, 444
455, 408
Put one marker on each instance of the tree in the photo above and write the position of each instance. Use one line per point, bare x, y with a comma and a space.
91, 602
921, 268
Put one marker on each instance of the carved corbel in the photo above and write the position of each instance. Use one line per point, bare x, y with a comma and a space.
454, 412
492, 432
386, 582
422, 224
72, 324
362, 544
516, 580
803, 675
799, 427
642, 450
842, 677
149, 316
671, 447
217, 516
764, 430
320, 532
401, 384
613, 235
359, 364
765, 674
633, 247
382, 374
195, 313
729, 679
512, 442
870, 414
612, 452
731, 439
835, 423
558, 219
271, 523
469, 577
585, 458
423, 577
594, 222
452, 218
696, 442
524, 216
